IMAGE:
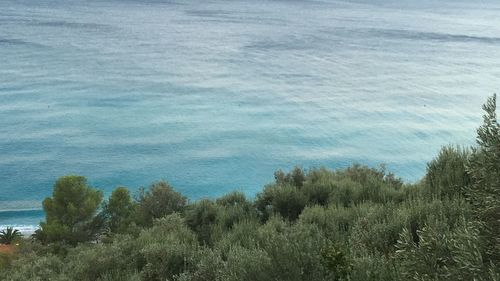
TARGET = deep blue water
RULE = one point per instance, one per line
(216, 95)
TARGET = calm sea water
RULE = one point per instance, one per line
(214, 96)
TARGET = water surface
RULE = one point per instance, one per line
(214, 96)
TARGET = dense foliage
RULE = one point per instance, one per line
(70, 212)
(358, 223)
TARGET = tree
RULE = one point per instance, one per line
(118, 210)
(9, 235)
(70, 213)
(484, 169)
(157, 202)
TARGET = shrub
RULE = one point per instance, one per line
(286, 200)
(37, 268)
(484, 192)
(294, 251)
(247, 265)
(446, 174)
(337, 262)
(369, 267)
(158, 201)
(335, 221)
(200, 217)
(103, 260)
(442, 253)
(209, 266)
(169, 248)
(377, 231)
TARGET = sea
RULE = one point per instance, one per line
(215, 95)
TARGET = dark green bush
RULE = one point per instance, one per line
(201, 217)
(119, 210)
(158, 201)
(69, 213)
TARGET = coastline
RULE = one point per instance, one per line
(26, 230)
(27, 221)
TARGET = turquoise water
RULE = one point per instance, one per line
(214, 96)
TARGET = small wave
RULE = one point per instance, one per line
(26, 219)
(26, 230)
(18, 42)
(209, 13)
(433, 36)
(21, 210)
(288, 42)
(73, 25)
(8, 41)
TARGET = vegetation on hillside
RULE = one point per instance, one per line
(357, 224)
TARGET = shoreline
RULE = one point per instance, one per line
(27, 221)
(25, 229)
